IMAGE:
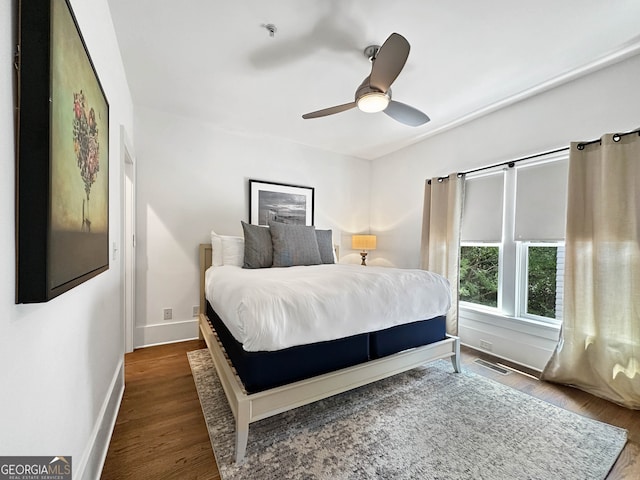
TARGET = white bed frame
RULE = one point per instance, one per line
(248, 408)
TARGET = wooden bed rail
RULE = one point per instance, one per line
(206, 259)
(248, 408)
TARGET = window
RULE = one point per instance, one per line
(543, 276)
(479, 274)
(512, 250)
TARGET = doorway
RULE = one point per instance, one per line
(128, 241)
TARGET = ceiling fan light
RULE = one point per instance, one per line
(373, 102)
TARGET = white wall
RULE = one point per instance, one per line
(192, 178)
(61, 361)
(607, 100)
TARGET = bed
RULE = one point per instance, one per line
(262, 383)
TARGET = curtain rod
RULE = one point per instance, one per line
(511, 163)
(616, 138)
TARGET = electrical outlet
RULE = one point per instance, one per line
(168, 313)
(486, 345)
(196, 310)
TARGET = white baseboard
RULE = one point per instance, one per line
(161, 333)
(90, 466)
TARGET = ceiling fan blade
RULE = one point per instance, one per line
(330, 110)
(389, 62)
(403, 113)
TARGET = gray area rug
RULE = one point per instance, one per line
(428, 423)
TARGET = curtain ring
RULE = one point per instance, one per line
(616, 137)
(580, 146)
(440, 179)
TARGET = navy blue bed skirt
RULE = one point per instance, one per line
(264, 370)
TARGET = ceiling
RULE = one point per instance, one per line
(215, 61)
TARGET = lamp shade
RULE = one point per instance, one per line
(363, 242)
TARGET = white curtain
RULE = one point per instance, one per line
(440, 248)
(599, 348)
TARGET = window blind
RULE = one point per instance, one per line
(541, 201)
(483, 206)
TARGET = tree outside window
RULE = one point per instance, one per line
(479, 268)
(542, 276)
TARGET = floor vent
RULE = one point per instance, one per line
(492, 366)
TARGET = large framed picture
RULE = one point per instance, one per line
(62, 174)
(279, 202)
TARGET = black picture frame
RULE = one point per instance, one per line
(280, 202)
(62, 159)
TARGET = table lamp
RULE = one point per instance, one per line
(363, 243)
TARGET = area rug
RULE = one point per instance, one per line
(428, 423)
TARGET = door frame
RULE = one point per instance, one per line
(128, 238)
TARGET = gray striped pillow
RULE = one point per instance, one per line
(258, 250)
(294, 245)
(325, 245)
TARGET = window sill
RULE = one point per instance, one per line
(529, 326)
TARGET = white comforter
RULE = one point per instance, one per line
(274, 308)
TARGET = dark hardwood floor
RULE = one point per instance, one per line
(161, 434)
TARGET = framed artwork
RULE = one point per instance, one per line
(62, 174)
(279, 202)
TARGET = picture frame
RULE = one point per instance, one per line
(62, 165)
(280, 202)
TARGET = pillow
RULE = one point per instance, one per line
(258, 249)
(325, 246)
(294, 245)
(232, 250)
(216, 249)
(226, 250)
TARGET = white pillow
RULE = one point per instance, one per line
(226, 250)
(216, 249)
(233, 251)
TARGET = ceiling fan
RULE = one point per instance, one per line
(374, 93)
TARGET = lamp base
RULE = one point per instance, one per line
(364, 257)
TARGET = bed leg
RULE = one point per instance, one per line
(455, 359)
(200, 332)
(242, 431)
